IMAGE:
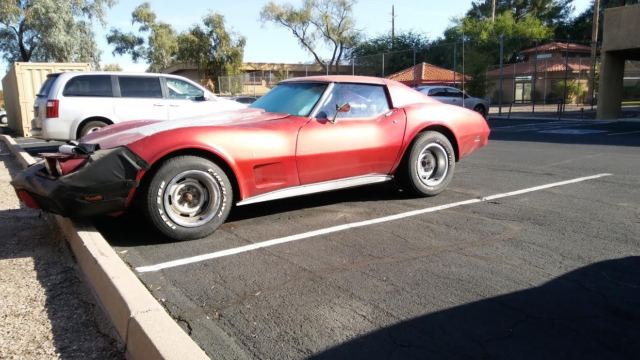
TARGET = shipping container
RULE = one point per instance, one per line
(21, 84)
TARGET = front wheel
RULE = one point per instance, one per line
(428, 167)
(188, 198)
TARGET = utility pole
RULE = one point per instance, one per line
(594, 49)
(493, 10)
(393, 25)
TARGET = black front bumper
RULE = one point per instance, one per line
(101, 186)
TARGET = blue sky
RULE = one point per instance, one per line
(268, 43)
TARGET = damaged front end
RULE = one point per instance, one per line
(81, 180)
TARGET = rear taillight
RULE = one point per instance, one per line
(53, 107)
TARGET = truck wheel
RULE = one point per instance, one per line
(189, 197)
(428, 166)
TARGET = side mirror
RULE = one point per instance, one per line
(200, 98)
(340, 109)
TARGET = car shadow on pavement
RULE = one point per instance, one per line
(38, 274)
(589, 313)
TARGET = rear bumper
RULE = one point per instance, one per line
(51, 129)
(102, 186)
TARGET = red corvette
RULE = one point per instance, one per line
(306, 135)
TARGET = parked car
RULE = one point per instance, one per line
(306, 135)
(3, 117)
(453, 96)
(71, 105)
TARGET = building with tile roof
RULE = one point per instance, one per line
(427, 74)
(549, 64)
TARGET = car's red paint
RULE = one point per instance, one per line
(270, 151)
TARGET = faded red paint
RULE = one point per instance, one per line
(267, 152)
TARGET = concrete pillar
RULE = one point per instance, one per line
(610, 88)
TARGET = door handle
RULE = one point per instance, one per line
(158, 104)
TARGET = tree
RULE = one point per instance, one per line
(549, 12)
(211, 47)
(579, 28)
(156, 42)
(482, 43)
(50, 30)
(328, 22)
(399, 52)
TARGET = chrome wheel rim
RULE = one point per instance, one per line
(192, 198)
(432, 165)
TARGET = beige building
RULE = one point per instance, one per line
(549, 64)
(621, 42)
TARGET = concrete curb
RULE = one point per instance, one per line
(144, 326)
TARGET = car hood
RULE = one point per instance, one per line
(130, 131)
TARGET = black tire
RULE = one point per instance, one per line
(430, 150)
(480, 109)
(91, 126)
(178, 183)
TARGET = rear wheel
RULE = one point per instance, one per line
(428, 166)
(91, 126)
(188, 198)
(3, 119)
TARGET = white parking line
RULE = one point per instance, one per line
(333, 229)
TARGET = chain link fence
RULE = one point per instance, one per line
(547, 76)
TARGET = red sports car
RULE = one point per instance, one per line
(306, 135)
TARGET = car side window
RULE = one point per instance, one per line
(179, 89)
(435, 92)
(89, 85)
(140, 87)
(366, 101)
(454, 93)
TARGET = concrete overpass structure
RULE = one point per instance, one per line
(621, 42)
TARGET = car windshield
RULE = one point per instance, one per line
(296, 99)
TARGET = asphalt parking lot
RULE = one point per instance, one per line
(532, 252)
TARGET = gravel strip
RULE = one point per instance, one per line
(46, 310)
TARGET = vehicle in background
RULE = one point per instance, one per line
(71, 105)
(453, 96)
(244, 99)
(306, 135)
(3, 117)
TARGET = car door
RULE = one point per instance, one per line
(455, 96)
(186, 100)
(140, 98)
(365, 140)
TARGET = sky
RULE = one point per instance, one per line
(269, 43)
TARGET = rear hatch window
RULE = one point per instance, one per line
(44, 89)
